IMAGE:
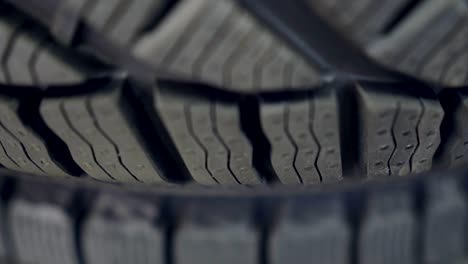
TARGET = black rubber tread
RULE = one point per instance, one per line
(121, 20)
(104, 150)
(230, 231)
(5, 247)
(30, 57)
(388, 235)
(316, 232)
(301, 151)
(430, 43)
(384, 223)
(209, 134)
(50, 68)
(128, 233)
(398, 134)
(363, 20)
(428, 138)
(392, 132)
(42, 225)
(54, 116)
(108, 111)
(8, 26)
(444, 225)
(221, 44)
(31, 143)
(18, 61)
(97, 130)
(453, 152)
(208, 137)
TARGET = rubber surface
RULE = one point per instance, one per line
(420, 221)
(102, 166)
(113, 132)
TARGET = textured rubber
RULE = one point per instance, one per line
(112, 132)
(363, 20)
(29, 57)
(429, 43)
(220, 44)
(385, 223)
(101, 166)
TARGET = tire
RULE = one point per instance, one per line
(157, 131)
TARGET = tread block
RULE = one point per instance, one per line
(200, 118)
(248, 63)
(429, 139)
(209, 139)
(80, 118)
(132, 19)
(123, 230)
(34, 146)
(405, 135)
(109, 111)
(15, 151)
(8, 28)
(454, 45)
(50, 69)
(42, 225)
(273, 118)
(228, 126)
(226, 227)
(299, 126)
(377, 114)
(81, 150)
(173, 113)
(430, 43)
(237, 27)
(455, 148)
(311, 232)
(304, 139)
(277, 71)
(19, 59)
(161, 42)
(191, 56)
(444, 224)
(122, 21)
(435, 32)
(388, 231)
(362, 20)
(221, 44)
(327, 132)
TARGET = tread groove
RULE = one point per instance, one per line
(9, 47)
(392, 131)
(319, 147)
(3, 152)
(420, 117)
(23, 149)
(293, 143)
(217, 134)
(104, 134)
(188, 118)
(67, 119)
